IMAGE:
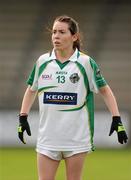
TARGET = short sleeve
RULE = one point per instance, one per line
(98, 79)
(33, 78)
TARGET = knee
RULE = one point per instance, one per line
(74, 178)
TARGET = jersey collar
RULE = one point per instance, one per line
(73, 58)
(75, 55)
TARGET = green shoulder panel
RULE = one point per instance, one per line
(42, 67)
(31, 76)
(40, 70)
(99, 79)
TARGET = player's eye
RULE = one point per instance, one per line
(62, 32)
(53, 31)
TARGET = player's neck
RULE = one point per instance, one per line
(64, 55)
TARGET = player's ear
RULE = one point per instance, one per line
(75, 37)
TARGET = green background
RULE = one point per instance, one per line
(20, 164)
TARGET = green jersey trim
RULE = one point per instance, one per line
(74, 109)
(43, 66)
(41, 69)
(32, 75)
(100, 81)
(83, 72)
(62, 65)
(89, 103)
(45, 88)
(90, 109)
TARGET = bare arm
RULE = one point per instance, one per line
(110, 100)
(116, 125)
(28, 100)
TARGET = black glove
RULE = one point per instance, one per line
(23, 125)
(119, 128)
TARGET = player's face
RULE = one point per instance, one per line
(62, 38)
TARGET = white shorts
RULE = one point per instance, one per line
(58, 155)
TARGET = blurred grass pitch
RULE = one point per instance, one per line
(20, 164)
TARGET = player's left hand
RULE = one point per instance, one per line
(119, 128)
(23, 126)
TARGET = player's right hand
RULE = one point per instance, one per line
(23, 126)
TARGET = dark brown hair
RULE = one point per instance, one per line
(73, 27)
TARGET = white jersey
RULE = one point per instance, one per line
(66, 103)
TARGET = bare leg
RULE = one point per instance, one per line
(46, 167)
(74, 166)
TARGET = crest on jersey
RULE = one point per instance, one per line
(98, 73)
(74, 78)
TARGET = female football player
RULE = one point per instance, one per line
(65, 80)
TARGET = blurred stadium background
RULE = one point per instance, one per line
(24, 36)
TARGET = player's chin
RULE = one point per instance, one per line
(58, 47)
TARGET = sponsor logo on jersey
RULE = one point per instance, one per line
(46, 76)
(61, 72)
(64, 98)
(74, 78)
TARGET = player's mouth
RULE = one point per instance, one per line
(57, 43)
